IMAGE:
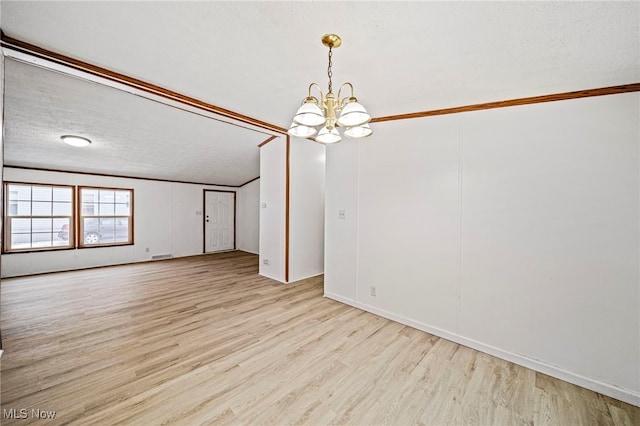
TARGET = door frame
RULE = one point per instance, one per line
(204, 217)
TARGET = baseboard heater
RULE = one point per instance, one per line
(161, 256)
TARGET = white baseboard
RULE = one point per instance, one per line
(290, 281)
(626, 395)
(305, 277)
(248, 251)
(272, 278)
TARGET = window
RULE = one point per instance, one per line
(43, 217)
(38, 217)
(106, 216)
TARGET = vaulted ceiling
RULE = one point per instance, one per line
(258, 59)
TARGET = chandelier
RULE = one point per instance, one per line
(330, 112)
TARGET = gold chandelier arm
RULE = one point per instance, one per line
(340, 90)
(319, 90)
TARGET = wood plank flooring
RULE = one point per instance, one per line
(206, 340)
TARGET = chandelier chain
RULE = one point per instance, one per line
(329, 73)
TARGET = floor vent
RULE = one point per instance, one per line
(160, 256)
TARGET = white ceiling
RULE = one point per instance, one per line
(257, 58)
(131, 135)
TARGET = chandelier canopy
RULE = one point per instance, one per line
(330, 111)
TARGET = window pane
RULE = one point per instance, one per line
(121, 230)
(19, 226)
(61, 231)
(41, 208)
(89, 209)
(41, 239)
(107, 230)
(122, 210)
(89, 223)
(89, 195)
(41, 225)
(41, 193)
(62, 194)
(57, 242)
(123, 197)
(107, 209)
(23, 208)
(19, 192)
(91, 231)
(107, 196)
(61, 209)
(20, 241)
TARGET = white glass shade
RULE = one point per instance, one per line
(358, 131)
(353, 114)
(75, 140)
(309, 114)
(301, 131)
(328, 136)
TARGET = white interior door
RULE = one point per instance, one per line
(219, 221)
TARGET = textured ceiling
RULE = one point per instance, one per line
(131, 135)
(257, 58)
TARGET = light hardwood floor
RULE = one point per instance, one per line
(206, 340)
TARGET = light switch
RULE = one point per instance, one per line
(342, 214)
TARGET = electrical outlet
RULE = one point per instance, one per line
(342, 214)
(373, 291)
(147, 250)
(265, 261)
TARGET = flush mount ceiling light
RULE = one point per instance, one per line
(75, 140)
(324, 112)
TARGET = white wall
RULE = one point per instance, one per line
(306, 226)
(514, 231)
(248, 202)
(166, 222)
(306, 209)
(272, 212)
